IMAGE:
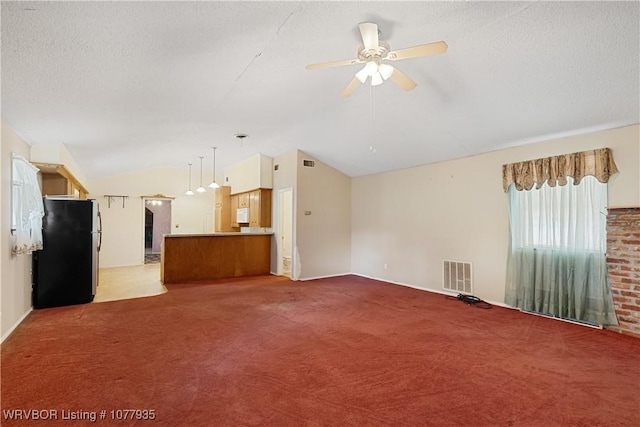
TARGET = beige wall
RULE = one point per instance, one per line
(413, 219)
(254, 172)
(123, 228)
(58, 154)
(323, 238)
(15, 294)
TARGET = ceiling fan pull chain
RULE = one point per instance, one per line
(372, 106)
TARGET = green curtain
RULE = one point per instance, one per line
(556, 263)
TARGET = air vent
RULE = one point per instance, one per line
(456, 276)
(308, 163)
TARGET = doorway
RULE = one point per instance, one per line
(157, 223)
(285, 232)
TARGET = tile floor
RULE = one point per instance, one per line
(129, 282)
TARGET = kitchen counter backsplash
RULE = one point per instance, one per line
(256, 230)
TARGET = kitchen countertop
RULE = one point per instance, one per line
(225, 234)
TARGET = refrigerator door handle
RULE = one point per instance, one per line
(99, 231)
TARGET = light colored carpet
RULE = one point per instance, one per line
(129, 282)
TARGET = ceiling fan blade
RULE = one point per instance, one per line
(401, 79)
(350, 88)
(332, 64)
(421, 50)
(369, 34)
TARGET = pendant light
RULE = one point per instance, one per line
(189, 192)
(201, 189)
(214, 184)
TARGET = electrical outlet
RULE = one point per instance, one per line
(385, 265)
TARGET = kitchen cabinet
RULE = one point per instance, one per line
(226, 255)
(259, 204)
(234, 208)
(243, 200)
(260, 208)
(223, 209)
(58, 181)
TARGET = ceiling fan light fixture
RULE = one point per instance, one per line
(385, 70)
(362, 75)
(371, 67)
(376, 79)
(373, 52)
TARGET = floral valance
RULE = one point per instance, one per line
(555, 170)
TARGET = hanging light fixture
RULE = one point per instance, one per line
(214, 184)
(201, 189)
(189, 192)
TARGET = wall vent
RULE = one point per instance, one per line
(308, 163)
(456, 276)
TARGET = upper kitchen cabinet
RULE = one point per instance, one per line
(223, 209)
(260, 208)
(257, 202)
(61, 175)
(58, 181)
(246, 176)
(243, 200)
(234, 209)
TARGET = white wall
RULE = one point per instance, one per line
(123, 228)
(15, 293)
(412, 219)
(323, 238)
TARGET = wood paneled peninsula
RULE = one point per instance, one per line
(194, 257)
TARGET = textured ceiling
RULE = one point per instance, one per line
(136, 85)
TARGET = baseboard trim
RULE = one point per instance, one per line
(560, 318)
(10, 331)
(323, 277)
(435, 291)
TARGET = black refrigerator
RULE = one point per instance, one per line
(65, 271)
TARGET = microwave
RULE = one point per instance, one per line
(242, 215)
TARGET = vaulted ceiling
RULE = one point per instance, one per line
(137, 85)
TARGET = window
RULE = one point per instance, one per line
(570, 217)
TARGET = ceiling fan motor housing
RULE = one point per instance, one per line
(378, 54)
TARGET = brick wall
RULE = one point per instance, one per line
(623, 262)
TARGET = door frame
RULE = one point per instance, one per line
(144, 205)
(279, 232)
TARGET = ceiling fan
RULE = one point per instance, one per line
(373, 53)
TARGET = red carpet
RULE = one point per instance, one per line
(345, 351)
